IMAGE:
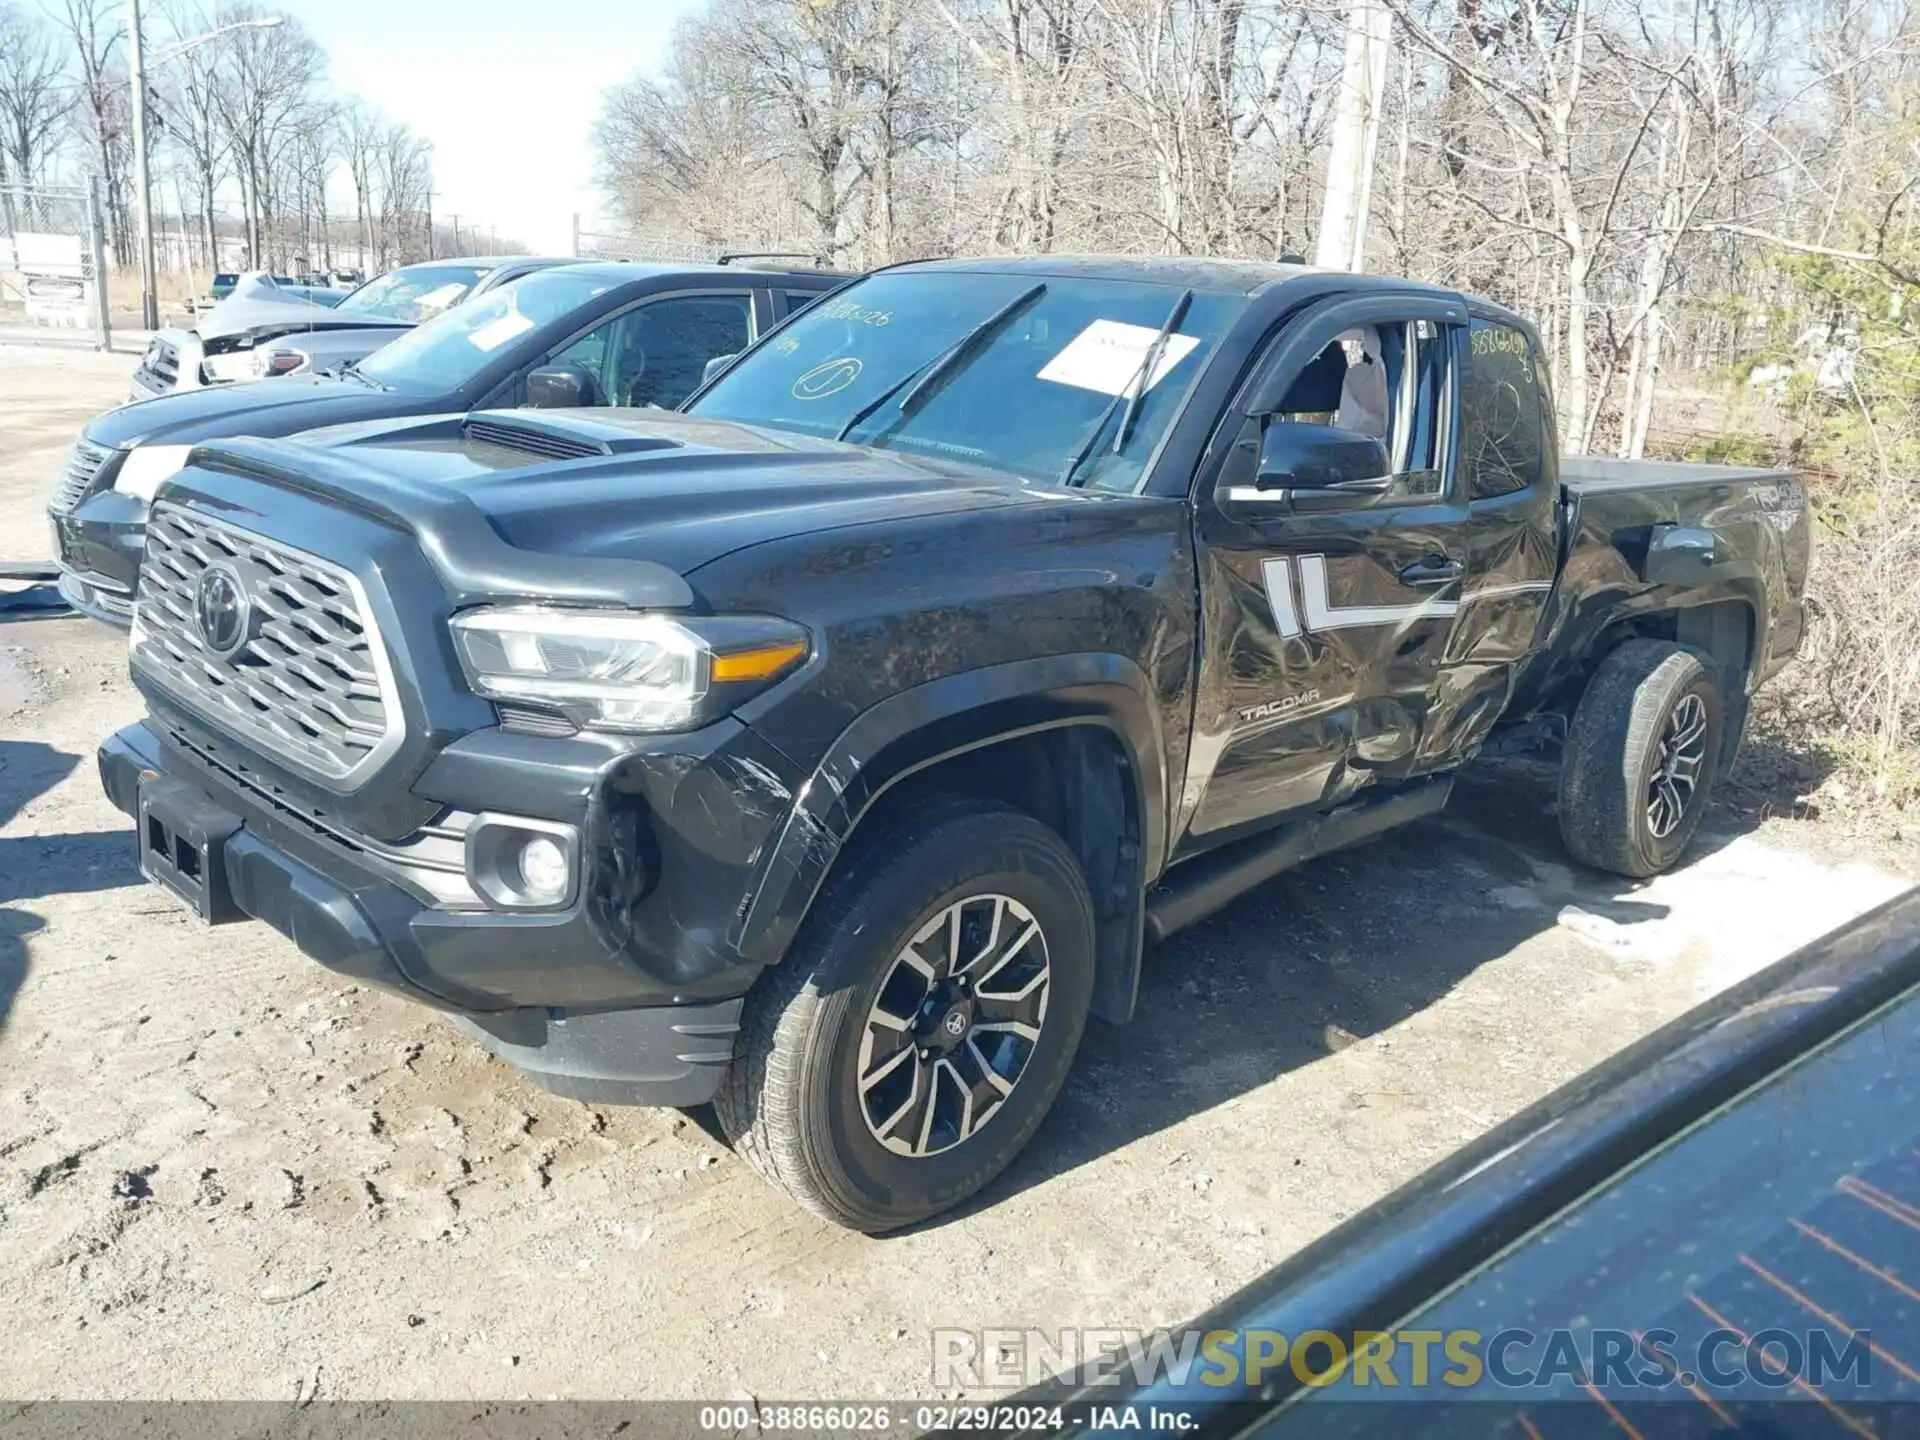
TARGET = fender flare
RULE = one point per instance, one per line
(920, 727)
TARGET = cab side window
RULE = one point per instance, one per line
(1384, 381)
(1502, 418)
(665, 348)
(656, 353)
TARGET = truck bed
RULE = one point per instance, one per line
(1600, 472)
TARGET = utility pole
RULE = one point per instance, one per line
(142, 189)
(97, 253)
(430, 254)
(576, 234)
(142, 192)
(456, 232)
(1342, 243)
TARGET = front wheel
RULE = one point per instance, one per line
(910, 1045)
(1641, 757)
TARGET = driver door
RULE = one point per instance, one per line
(1326, 614)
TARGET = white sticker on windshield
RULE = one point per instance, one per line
(495, 333)
(441, 298)
(1107, 356)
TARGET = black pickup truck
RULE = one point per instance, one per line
(831, 750)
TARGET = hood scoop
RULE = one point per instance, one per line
(568, 435)
(532, 440)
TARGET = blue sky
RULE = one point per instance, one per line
(506, 90)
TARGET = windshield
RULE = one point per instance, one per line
(1049, 359)
(452, 349)
(414, 293)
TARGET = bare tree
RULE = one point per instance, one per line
(357, 126)
(264, 84)
(95, 29)
(403, 169)
(195, 125)
(34, 100)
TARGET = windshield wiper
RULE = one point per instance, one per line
(350, 370)
(927, 376)
(1133, 393)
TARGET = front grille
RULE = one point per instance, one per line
(308, 684)
(542, 443)
(84, 463)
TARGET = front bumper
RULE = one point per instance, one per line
(99, 545)
(359, 917)
(93, 597)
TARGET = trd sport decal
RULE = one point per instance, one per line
(1322, 614)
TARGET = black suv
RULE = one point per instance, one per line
(592, 334)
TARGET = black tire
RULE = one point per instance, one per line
(1610, 817)
(791, 1103)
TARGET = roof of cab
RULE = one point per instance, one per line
(622, 272)
(1238, 277)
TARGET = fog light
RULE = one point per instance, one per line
(518, 864)
(543, 870)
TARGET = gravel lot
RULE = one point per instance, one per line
(226, 1173)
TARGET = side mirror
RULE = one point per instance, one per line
(562, 387)
(717, 365)
(1321, 457)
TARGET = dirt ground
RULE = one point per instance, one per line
(226, 1173)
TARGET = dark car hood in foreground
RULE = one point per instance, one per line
(672, 489)
(260, 407)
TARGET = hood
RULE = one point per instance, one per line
(655, 486)
(269, 312)
(259, 407)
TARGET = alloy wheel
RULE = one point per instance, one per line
(1683, 750)
(954, 1024)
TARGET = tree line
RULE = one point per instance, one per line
(247, 139)
(1688, 196)
(1625, 172)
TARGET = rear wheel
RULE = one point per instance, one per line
(1641, 757)
(921, 1029)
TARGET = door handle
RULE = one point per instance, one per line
(1432, 570)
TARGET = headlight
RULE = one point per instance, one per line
(278, 360)
(624, 670)
(147, 465)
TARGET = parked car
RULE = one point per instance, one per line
(831, 750)
(1746, 1171)
(314, 293)
(636, 334)
(266, 328)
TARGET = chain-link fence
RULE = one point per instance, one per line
(51, 261)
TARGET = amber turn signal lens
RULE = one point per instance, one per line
(760, 664)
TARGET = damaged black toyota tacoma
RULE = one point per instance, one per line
(832, 749)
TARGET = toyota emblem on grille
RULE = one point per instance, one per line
(222, 611)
